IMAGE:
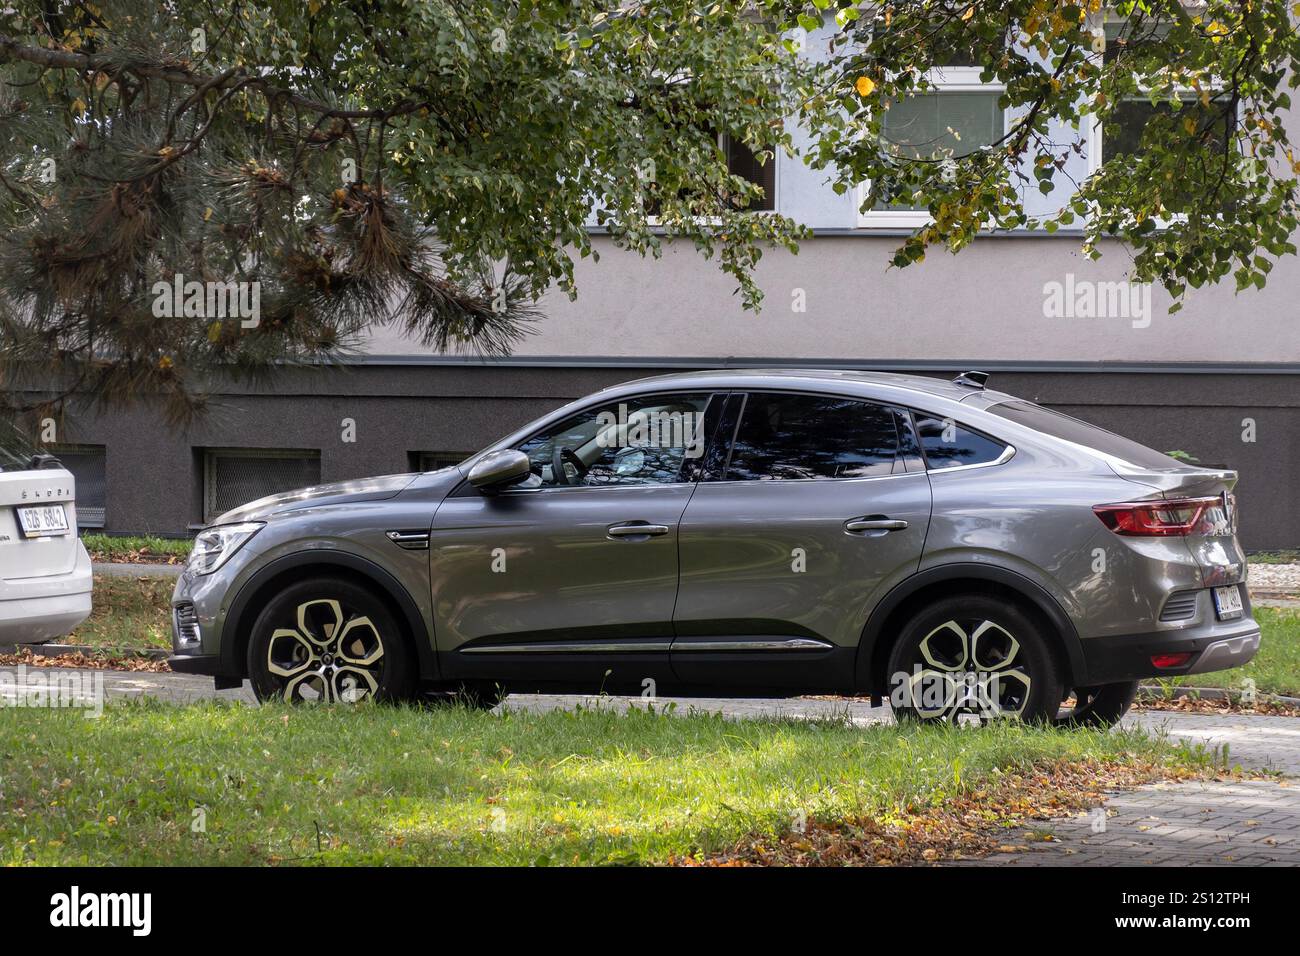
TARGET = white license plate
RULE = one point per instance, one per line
(36, 522)
(1227, 602)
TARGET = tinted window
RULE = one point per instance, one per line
(16, 450)
(812, 436)
(639, 441)
(947, 443)
(1081, 433)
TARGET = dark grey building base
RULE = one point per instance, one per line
(384, 415)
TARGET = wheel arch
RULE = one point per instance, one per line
(257, 590)
(885, 621)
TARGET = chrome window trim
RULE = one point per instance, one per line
(1007, 454)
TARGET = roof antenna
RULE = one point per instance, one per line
(972, 379)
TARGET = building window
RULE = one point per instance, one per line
(742, 162)
(958, 116)
(758, 168)
(435, 460)
(88, 464)
(1121, 134)
(236, 476)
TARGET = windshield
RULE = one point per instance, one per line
(1081, 433)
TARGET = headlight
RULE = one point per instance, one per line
(214, 546)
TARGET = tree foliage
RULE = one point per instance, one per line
(1212, 188)
(430, 162)
(439, 163)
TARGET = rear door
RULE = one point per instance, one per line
(818, 508)
(38, 521)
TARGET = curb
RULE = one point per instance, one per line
(123, 569)
(67, 650)
(1209, 693)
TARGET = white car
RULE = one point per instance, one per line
(45, 576)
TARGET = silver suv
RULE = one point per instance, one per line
(957, 550)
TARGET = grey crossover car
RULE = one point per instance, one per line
(960, 551)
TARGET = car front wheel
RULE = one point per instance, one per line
(973, 657)
(328, 640)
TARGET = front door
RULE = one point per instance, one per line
(821, 507)
(572, 577)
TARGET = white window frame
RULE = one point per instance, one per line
(949, 79)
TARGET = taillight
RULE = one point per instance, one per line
(1178, 517)
(1170, 660)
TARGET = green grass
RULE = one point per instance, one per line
(145, 549)
(127, 613)
(1288, 556)
(382, 785)
(1275, 669)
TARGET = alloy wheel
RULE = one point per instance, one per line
(330, 656)
(969, 667)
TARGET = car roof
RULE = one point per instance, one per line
(860, 381)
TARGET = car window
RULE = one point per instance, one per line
(637, 441)
(948, 444)
(1081, 433)
(16, 449)
(784, 437)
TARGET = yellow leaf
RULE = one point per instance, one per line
(864, 85)
(78, 106)
(1189, 124)
(214, 332)
(970, 12)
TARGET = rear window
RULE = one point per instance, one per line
(16, 450)
(788, 437)
(1081, 433)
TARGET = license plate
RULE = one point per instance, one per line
(37, 522)
(1227, 602)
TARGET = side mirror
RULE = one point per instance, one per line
(499, 469)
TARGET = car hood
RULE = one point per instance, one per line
(338, 492)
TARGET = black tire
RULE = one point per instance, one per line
(349, 646)
(1014, 672)
(1101, 706)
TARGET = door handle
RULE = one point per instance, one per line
(874, 524)
(636, 529)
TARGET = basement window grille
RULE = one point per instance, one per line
(235, 476)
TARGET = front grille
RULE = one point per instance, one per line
(1181, 606)
(186, 624)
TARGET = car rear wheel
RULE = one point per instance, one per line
(328, 640)
(973, 657)
(1100, 706)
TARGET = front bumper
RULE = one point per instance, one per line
(1214, 647)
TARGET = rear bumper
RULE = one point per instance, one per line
(43, 608)
(1214, 647)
